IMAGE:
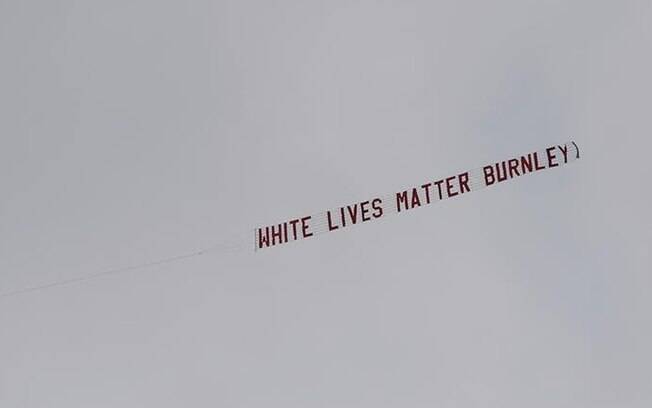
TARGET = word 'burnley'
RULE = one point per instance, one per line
(511, 168)
(424, 194)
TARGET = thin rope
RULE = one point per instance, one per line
(228, 247)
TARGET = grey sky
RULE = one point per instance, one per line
(132, 131)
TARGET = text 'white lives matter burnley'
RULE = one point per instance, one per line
(424, 194)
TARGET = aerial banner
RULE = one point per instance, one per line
(423, 194)
(371, 209)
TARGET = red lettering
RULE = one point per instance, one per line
(331, 227)
(364, 210)
(489, 177)
(294, 223)
(353, 214)
(401, 198)
(526, 163)
(464, 182)
(551, 157)
(277, 234)
(305, 226)
(449, 187)
(502, 177)
(438, 184)
(263, 240)
(415, 198)
(426, 187)
(564, 151)
(536, 162)
(513, 167)
(378, 210)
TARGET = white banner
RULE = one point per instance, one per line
(427, 193)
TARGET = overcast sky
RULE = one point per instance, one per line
(137, 130)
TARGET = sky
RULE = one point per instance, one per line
(133, 131)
